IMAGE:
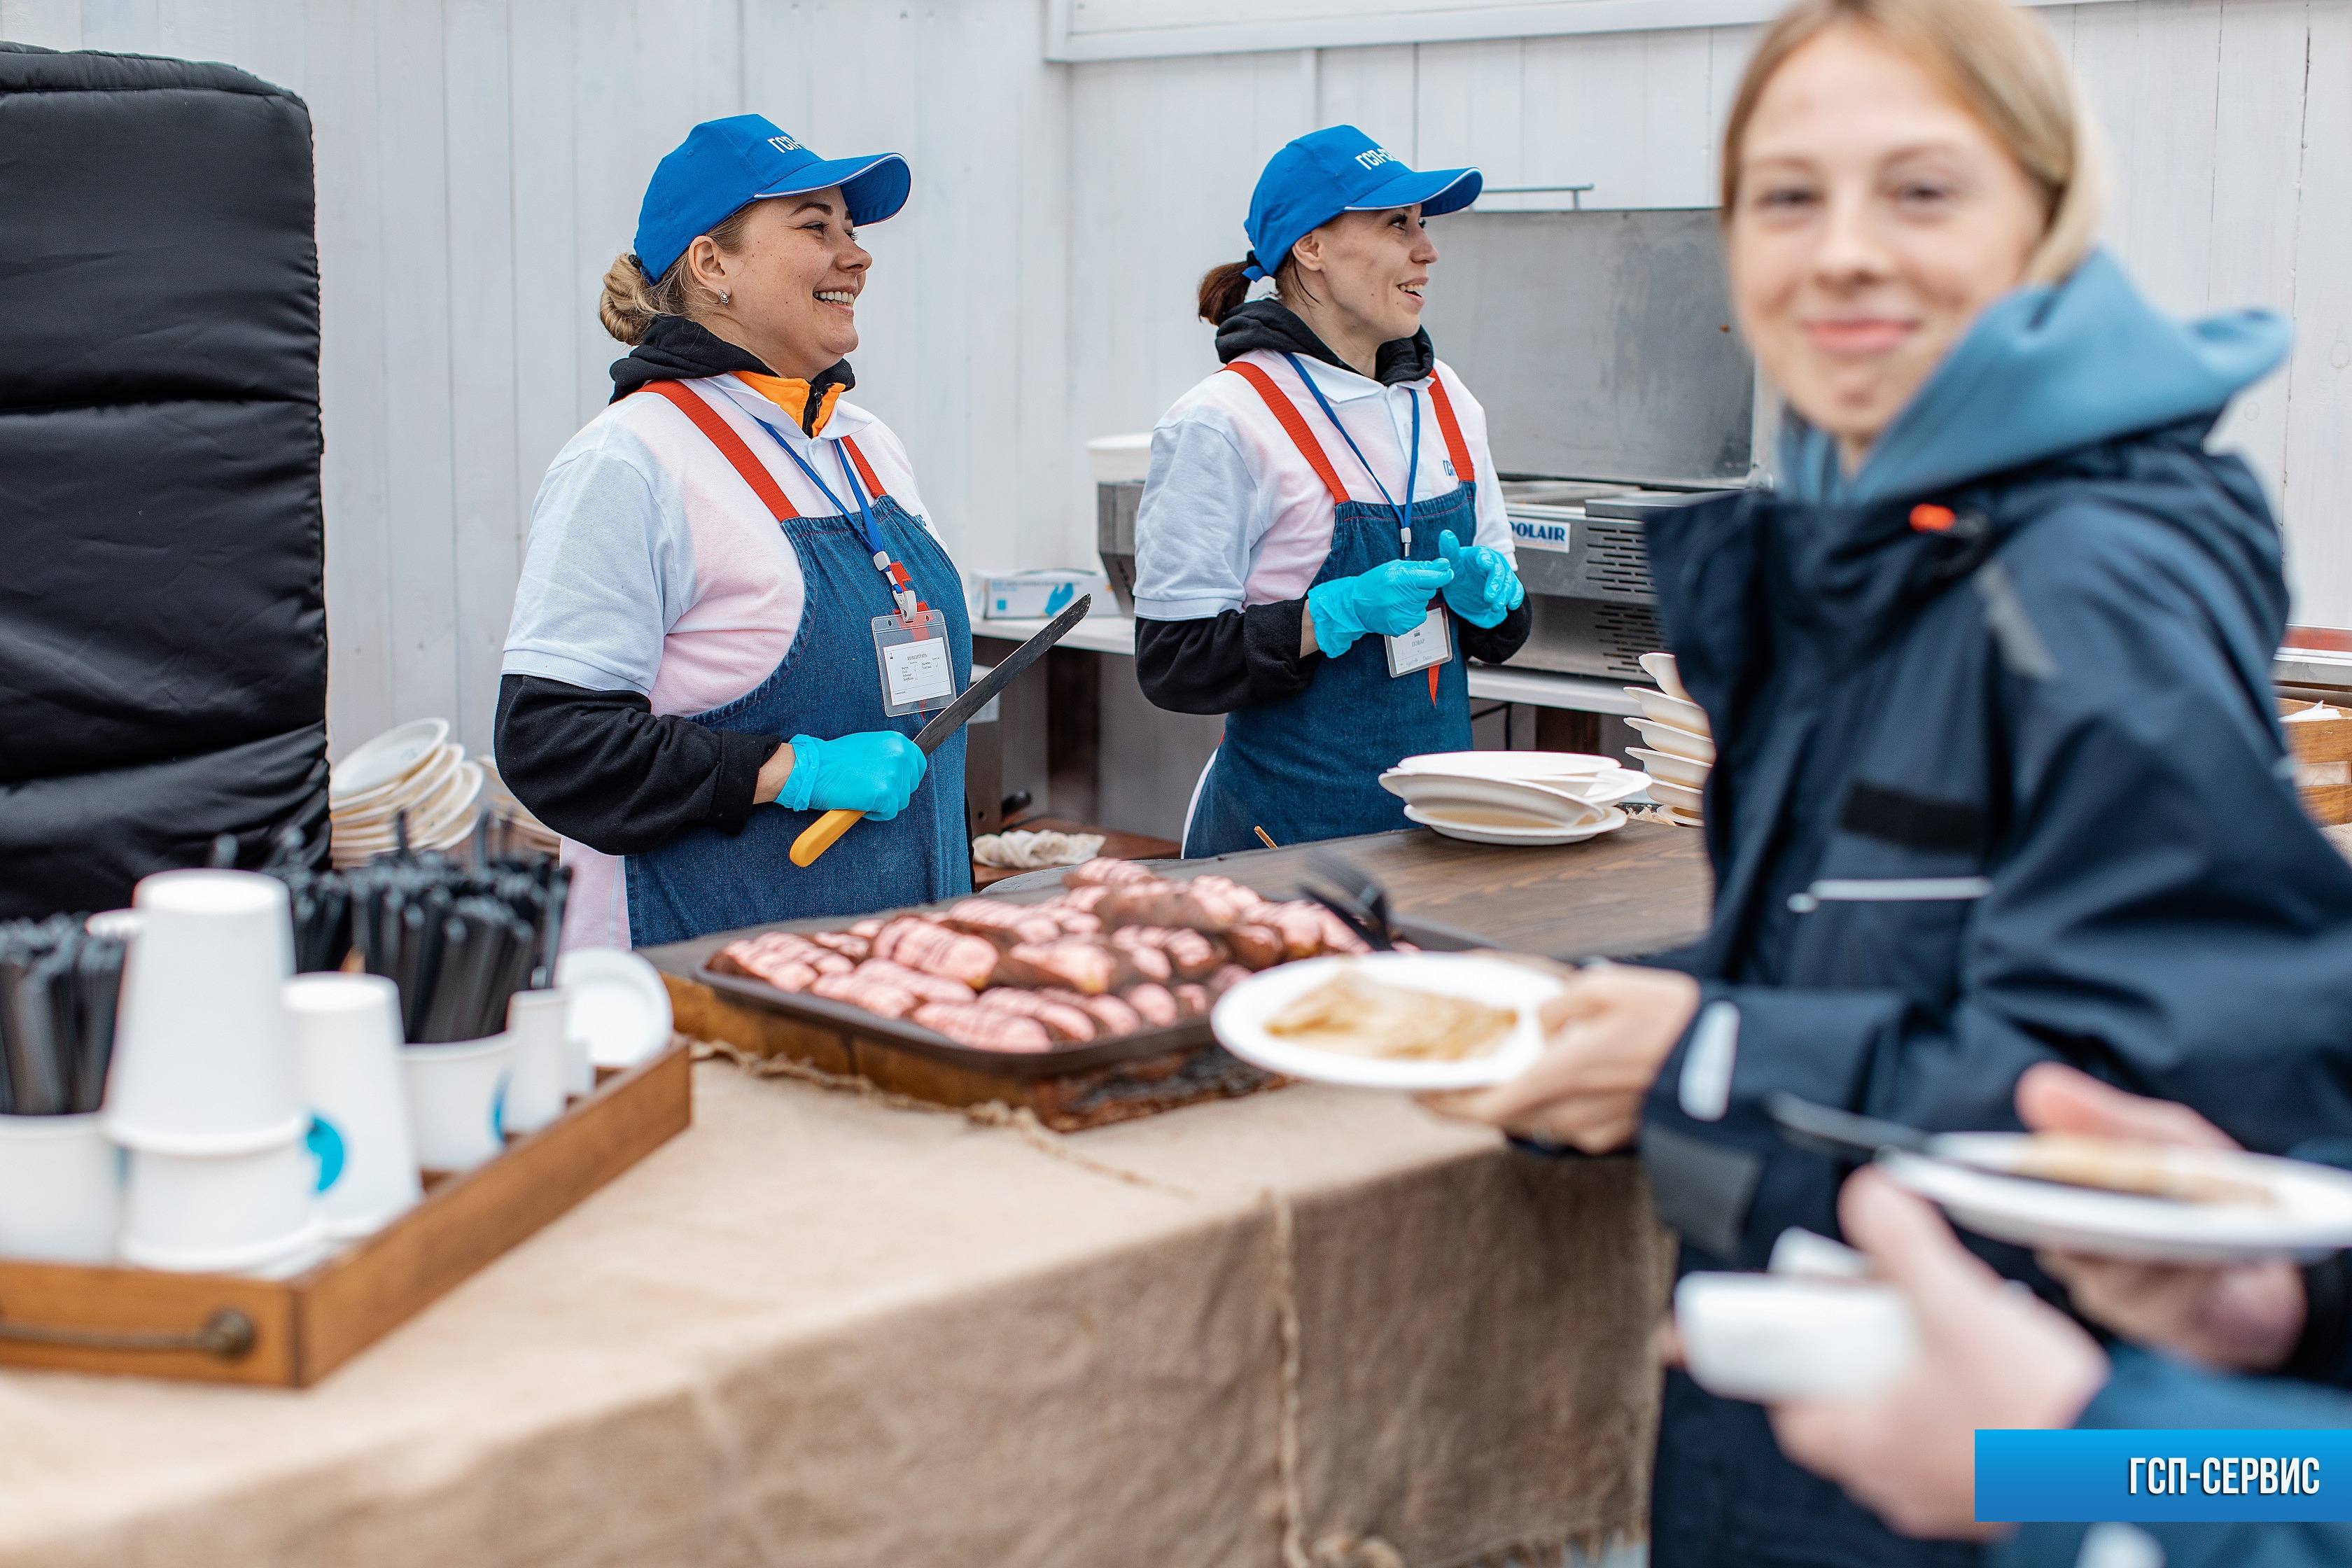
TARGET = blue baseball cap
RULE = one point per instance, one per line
(1340, 169)
(725, 164)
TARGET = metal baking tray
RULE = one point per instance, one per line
(1186, 1034)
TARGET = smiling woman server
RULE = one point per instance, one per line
(732, 611)
(1321, 542)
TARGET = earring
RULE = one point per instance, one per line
(725, 298)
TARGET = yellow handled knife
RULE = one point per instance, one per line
(820, 834)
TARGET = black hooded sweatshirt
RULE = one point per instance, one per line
(600, 767)
(1249, 656)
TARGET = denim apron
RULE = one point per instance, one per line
(1309, 766)
(827, 686)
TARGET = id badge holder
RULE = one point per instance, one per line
(912, 657)
(1427, 644)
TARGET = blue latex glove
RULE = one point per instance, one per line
(1484, 589)
(874, 771)
(1390, 599)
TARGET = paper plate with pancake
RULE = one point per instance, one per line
(1390, 1020)
(2136, 1201)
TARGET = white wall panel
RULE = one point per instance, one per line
(481, 163)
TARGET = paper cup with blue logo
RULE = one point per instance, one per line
(223, 1214)
(346, 1032)
(456, 1100)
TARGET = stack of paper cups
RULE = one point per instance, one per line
(347, 1057)
(537, 1021)
(203, 1091)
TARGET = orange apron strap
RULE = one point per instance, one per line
(864, 470)
(1455, 447)
(730, 446)
(1287, 412)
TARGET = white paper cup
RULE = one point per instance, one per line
(204, 1063)
(537, 1021)
(456, 1100)
(60, 1189)
(1770, 1337)
(213, 1214)
(346, 1056)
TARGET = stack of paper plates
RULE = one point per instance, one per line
(414, 773)
(1681, 746)
(1513, 797)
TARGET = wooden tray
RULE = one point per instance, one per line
(1070, 1089)
(216, 1327)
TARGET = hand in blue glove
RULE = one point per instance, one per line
(874, 771)
(1390, 599)
(1484, 589)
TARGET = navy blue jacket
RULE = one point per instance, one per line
(2005, 791)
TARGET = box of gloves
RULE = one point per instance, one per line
(1031, 595)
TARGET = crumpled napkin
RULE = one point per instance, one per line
(1032, 851)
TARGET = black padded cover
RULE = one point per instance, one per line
(163, 618)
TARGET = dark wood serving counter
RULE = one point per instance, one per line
(1643, 889)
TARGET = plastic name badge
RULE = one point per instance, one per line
(916, 667)
(1425, 645)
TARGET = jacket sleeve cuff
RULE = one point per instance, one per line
(1495, 644)
(1270, 638)
(1722, 1175)
(740, 757)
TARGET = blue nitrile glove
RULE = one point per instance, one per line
(874, 771)
(1484, 589)
(1390, 599)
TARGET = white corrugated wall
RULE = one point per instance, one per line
(480, 162)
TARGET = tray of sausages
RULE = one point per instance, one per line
(1120, 962)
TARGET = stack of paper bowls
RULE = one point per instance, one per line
(512, 827)
(413, 770)
(1680, 747)
(1527, 798)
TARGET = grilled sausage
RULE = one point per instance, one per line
(983, 1029)
(1155, 1003)
(1063, 1020)
(935, 949)
(878, 997)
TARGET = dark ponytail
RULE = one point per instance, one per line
(1223, 289)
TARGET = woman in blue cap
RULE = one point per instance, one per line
(1322, 540)
(733, 609)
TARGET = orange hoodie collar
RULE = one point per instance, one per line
(809, 406)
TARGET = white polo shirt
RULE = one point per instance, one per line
(652, 567)
(1234, 515)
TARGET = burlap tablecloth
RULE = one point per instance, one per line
(815, 1330)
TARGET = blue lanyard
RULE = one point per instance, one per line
(1412, 461)
(901, 592)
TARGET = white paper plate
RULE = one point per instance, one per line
(390, 756)
(1681, 713)
(1673, 769)
(1241, 1016)
(1610, 820)
(2312, 1217)
(619, 1004)
(1680, 817)
(1527, 767)
(1682, 797)
(1661, 668)
(1676, 743)
(1606, 789)
(1529, 805)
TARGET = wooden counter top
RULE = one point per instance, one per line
(1643, 889)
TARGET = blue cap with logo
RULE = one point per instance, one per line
(725, 164)
(1339, 170)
